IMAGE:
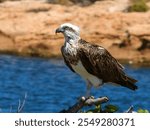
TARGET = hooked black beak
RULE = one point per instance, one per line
(58, 30)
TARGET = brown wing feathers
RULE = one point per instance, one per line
(98, 61)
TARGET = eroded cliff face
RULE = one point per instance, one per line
(28, 28)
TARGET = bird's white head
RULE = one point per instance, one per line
(71, 32)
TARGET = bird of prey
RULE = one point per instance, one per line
(92, 62)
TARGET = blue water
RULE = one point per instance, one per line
(51, 86)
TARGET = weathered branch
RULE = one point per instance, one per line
(97, 101)
(84, 102)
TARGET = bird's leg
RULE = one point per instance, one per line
(88, 91)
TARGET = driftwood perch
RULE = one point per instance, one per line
(85, 102)
(91, 101)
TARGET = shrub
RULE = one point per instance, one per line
(138, 6)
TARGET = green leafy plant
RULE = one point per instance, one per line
(138, 6)
(111, 108)
(142, 111)
(106, 109)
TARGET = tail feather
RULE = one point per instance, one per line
(130, 83)
(131, 79)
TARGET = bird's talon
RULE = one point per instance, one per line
(92, 97)
(82, 99)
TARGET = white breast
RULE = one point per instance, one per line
(79, 69)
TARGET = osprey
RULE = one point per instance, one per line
(92, 62)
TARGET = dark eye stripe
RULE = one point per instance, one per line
(68, 28)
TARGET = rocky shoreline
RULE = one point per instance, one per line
(27, 28)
